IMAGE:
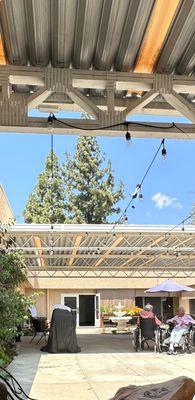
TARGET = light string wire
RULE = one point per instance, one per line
(182, 222)
(52, 118)
(138, 187)
(51, 194)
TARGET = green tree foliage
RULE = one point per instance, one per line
(13, 304)
(90, 187)
(46, 203)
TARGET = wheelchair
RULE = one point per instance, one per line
(145, 334)
(186, 344)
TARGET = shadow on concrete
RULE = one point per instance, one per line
(24, 366)
(106, 343)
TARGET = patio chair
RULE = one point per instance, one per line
(40, 325)
(10, 389)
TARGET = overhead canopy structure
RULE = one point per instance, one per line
(110, 58)
(98, 251)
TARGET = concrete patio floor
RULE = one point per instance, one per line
(106, 363)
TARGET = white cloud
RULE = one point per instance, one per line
(148, 214)
(162, 200)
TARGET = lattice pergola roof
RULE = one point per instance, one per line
(96, 251)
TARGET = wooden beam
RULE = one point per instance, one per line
(38, 244)
(38, 97)
(156, 241)
(76, 244)
(180, 104)
(2, 53)
(157, 29)
(36, 125)
(84, 102)
(138, 104)
(162, 16)
(162, 255)
(114, 244)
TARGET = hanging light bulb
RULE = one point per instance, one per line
(183, 228)
(127, 135)
(51, 251)
(164, 152)
(50, 121)
(51, 242)
(137, 190)
(141, 197)
(125, 218)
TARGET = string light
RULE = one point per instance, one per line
(164, 152)
(52, 118)
(137, 191)
(51, 251)
(128, 135)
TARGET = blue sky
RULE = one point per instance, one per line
(168, 189)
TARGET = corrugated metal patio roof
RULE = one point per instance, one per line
(138, 250)
(46, 42)
(102, 34)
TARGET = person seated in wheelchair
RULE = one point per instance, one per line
(181, 322)
(148, 324)
(147, 313)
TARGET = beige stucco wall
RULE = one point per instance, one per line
(49, 298)
(101, 283)
(111, 297)
(41, 301)
(6, 212)
(108, 298)
(112, 290)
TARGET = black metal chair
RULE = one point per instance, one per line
(145, 333)
(39, 325)
(10, 387)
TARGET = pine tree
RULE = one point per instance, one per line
(46, 203)
(90, 185)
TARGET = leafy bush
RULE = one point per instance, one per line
(106, 310)
(13, 304)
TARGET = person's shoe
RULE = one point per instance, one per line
(170, 352)
(174, 352)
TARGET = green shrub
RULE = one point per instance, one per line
(13, 304)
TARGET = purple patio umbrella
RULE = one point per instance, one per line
(169, 286)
